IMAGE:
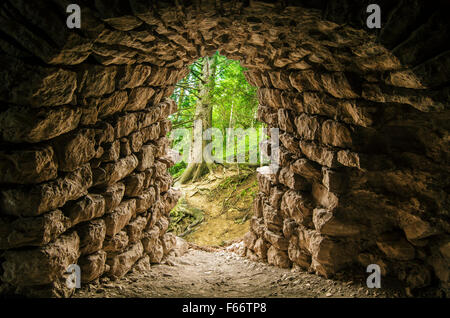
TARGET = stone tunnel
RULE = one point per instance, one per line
(364, 134)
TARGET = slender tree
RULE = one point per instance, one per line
(198, 164)
(216, 92)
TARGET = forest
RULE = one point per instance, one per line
(216, 92)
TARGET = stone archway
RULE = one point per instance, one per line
(363, 117)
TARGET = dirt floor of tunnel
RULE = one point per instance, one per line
(221, 273)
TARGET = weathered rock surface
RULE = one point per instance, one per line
(90, 207)
(32, 231)
(92, 266)
(37, 199)
(36, 165)
(41, 265)
(112, 172)
(92, 235)
(74, 149)
(364, 141)
(122, 263)
(22, 124)
(119, 218)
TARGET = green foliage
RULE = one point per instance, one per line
(233, 100)
(177, 169)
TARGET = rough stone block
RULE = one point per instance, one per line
(145, 200)
(153, 245)
(122, 263)
(87, 208)
(138, 98)
(260, 249)
(36, 86)
(43, 265)
(307, 169)
(32, 231)
(111, 151)
(92, 266)
(337, 85)
(329, 256)
(74, 149)
(320, 154)
(278, 257)
(97, 81)
(289, 227)
(169, 240)
(110, 173)
(164, 182)
(334, 181)
(116, 243)
(277, 240)
(297, 206)
(33, 165)
(134, 184)
(308, 127)
(250, 239)
(307, 80)
(298, 256)
(125, 125)
(326, 223)
(146, 157)
(273, 219)
(396, 247)
(112, 104)
(324, 197)
(135, 229)
(119, 218)
(276, 193)
(35, 200)
(132, 76)
(290, 143)
(92, 234)
(336, 134)
(293, 180)
(21, 124)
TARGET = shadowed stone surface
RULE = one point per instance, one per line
(364, 140)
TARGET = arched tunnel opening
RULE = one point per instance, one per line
(363, 124)
(215, 137)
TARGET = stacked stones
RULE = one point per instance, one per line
(363, 116)
(334, 203)
(86, 185)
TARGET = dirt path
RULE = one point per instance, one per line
(224, 274)
(226, 201)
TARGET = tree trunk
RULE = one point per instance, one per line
(179, 102)
(198, 164)
(230, 124)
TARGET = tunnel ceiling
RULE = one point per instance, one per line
(363, 117)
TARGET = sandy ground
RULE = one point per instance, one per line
(220, 273)
(221, 225)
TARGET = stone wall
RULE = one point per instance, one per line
(363, 118)
(86, 182)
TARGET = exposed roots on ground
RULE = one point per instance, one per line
(217, 209)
